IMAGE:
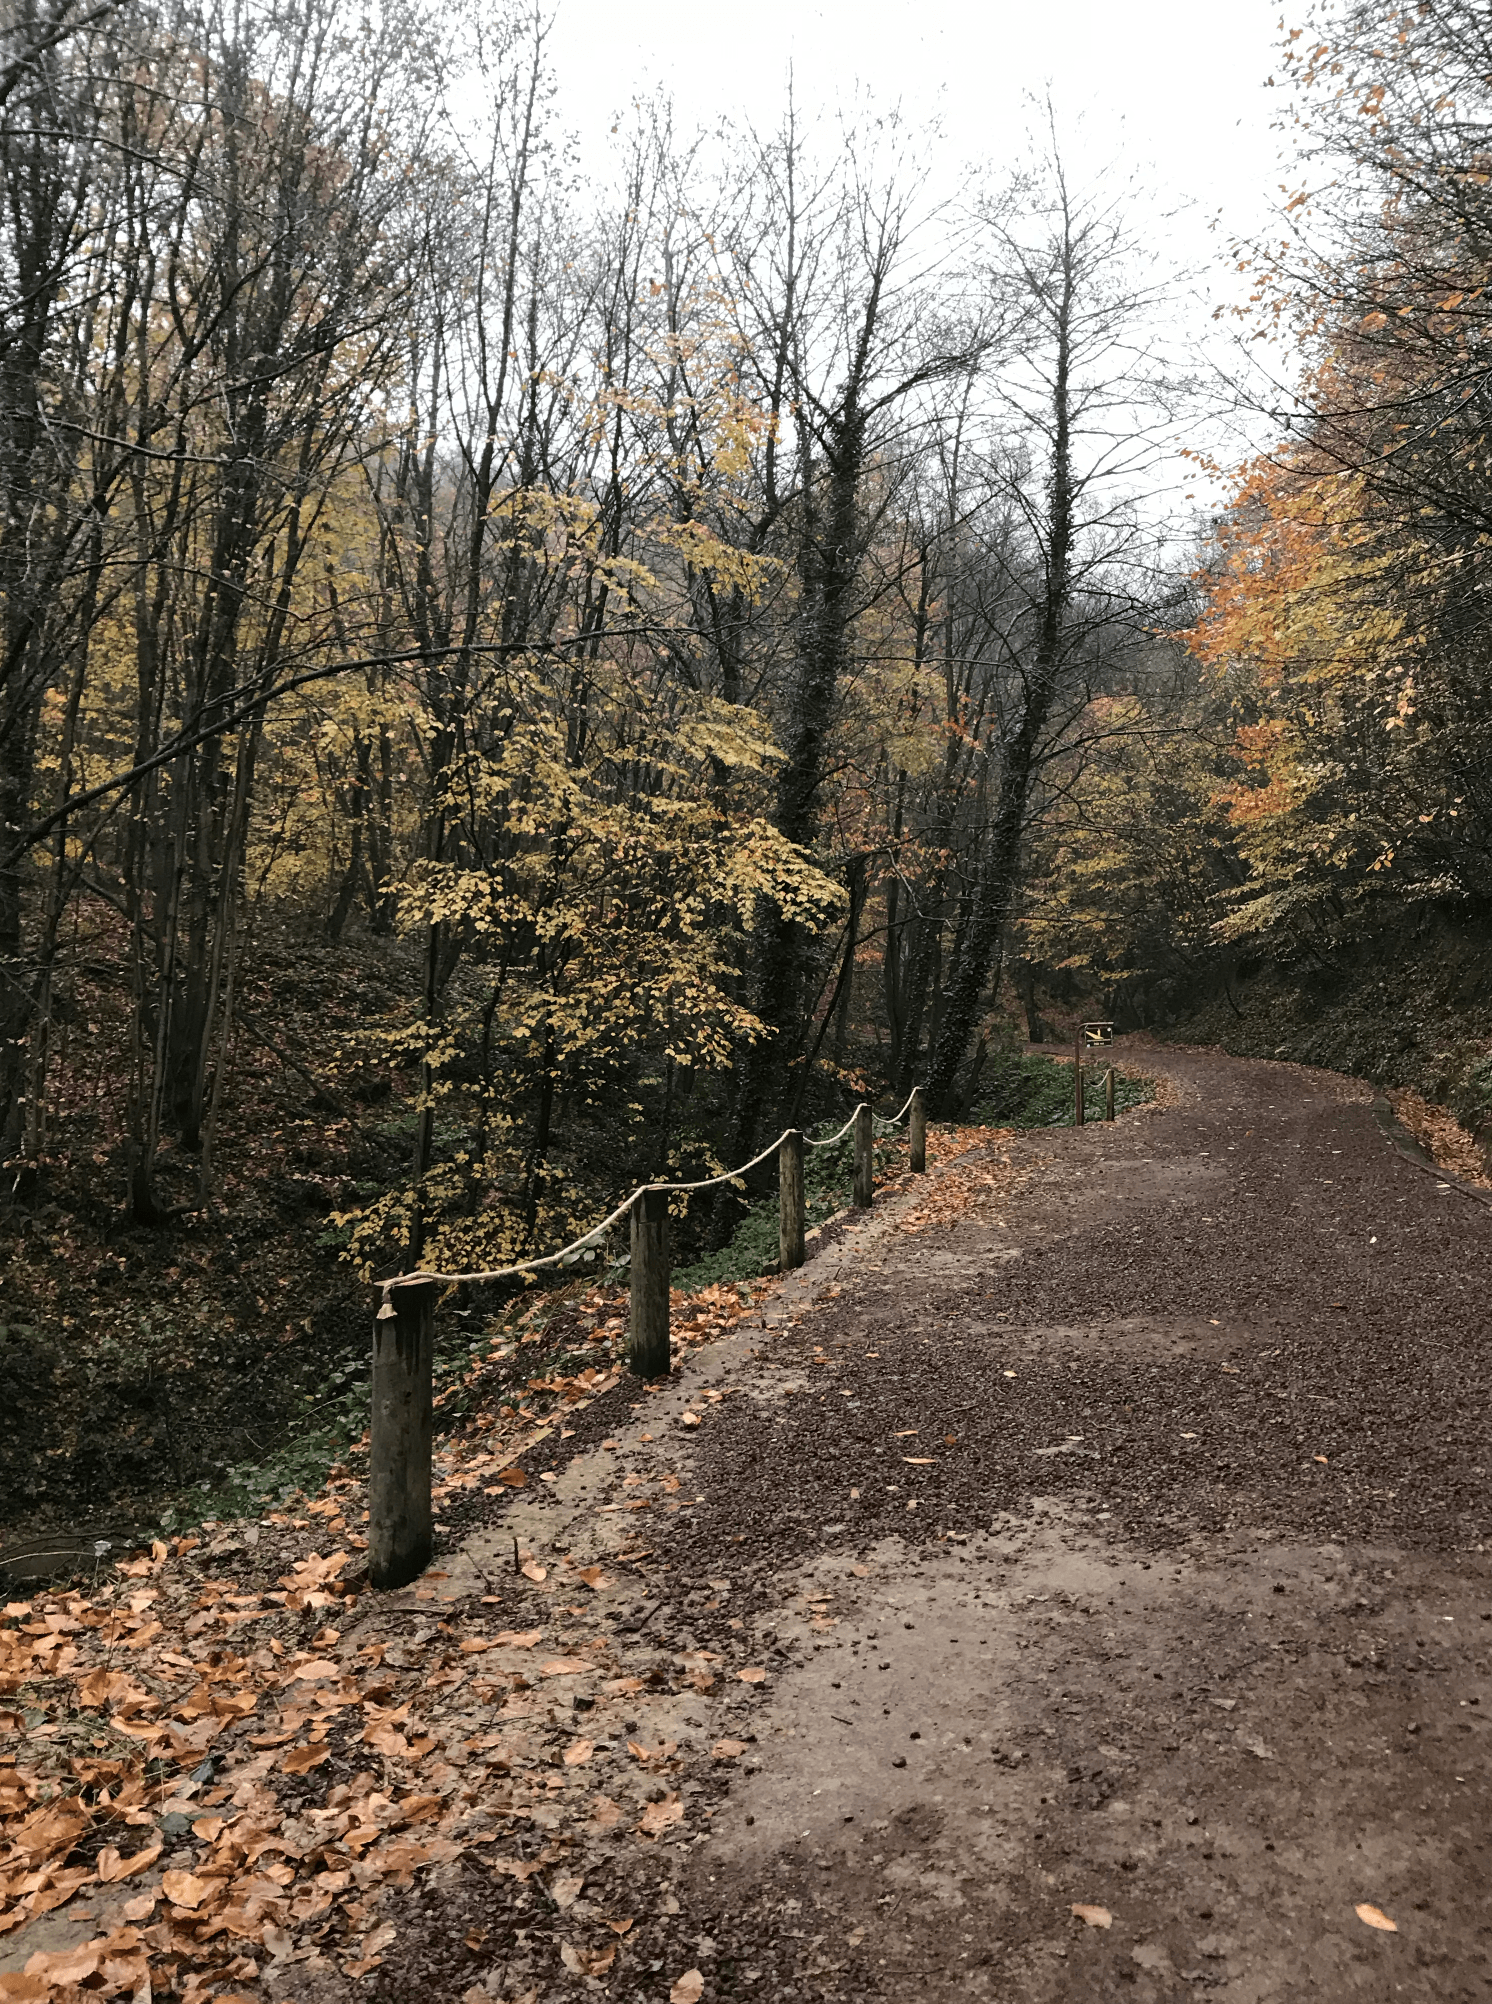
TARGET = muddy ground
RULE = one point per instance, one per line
(1120, 1546)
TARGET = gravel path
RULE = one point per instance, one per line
(1121, 1545)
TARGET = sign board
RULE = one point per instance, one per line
(1098, 1033)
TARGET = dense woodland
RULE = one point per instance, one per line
(515, 682)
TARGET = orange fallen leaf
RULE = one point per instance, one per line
(140, 1908)
(1322, 1459)
(578, 1752)
(661, 1816)
(620, 1926)
(518, 1868)
(593, 1577)
(565, 1666)
(1094, 1916)
(689, 1988)
(587, 1961)
(690, 1419)
(68, 1965)
(185, 1889)
(622, 1687)
(515, 1478)
(532, 1570)
(520, 1638)
(752, 1676)
(1375, 1917)
(111, 1866)
(300, 1760)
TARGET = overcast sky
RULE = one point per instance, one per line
(1170, 85)
(1170, 90)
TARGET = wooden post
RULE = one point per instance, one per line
(399, 1535)
(864, 1158)
(917, 1133)
(1108, 1094)
(1077, 1078)
(647, 1349)
(790, 1210)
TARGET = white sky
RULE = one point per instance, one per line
(1172, 90)
(1172, 86)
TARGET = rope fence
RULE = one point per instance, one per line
(399, 1502)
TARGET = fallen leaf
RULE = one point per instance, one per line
(918, 1460)
(565, 1666)
(587, 1961)
(620, 1926)
(184, 1889)
(604, 1813)
(565, 1892)
(518, 1868)
(622, 1687)
(593, 1577)
(300, 1760)
(1376, 1917)
(1322, 1459)
(578, 1752)
(905, 1431)
(68, 1965)
(689, 1988)
(1094, 1916)
(752, 1676)
(532, 1570)
(728, 1749)
(519, 1638)
(690, 1419)
(140, 1908)
(111, 1866)
(661, 1816)
(515, 1478)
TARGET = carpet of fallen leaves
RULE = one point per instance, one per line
(1442, 1137)
(227, 1755)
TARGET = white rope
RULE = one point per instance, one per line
(599, 1231)
(811, 1143)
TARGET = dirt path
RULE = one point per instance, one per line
(1120, 1546)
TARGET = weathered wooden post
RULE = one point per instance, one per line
(647, 1348)
(1108, 1094)
(864, 1158)
(399, 1538)
(1077, 1078)
(790, 1208)
(917, 1133)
